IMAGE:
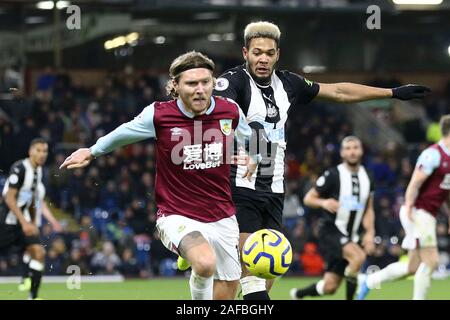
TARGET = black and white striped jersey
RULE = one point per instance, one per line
(266, 109)
(353, 191)
(28, 182)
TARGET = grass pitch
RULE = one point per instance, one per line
(178, 289)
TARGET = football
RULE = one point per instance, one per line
(267, 254)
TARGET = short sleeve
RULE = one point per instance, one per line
(429, 160)
(16, 176)
(229, 84)
(305, 90)
(325, 182)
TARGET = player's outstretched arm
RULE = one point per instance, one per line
(138, 129)
(346, 92)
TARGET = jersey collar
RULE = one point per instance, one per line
(190, 114)
(442, 145)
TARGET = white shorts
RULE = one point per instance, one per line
(419, 233)
(222, 235)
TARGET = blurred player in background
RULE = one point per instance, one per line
(427, 190)
(21, 214)
(265, 95)
(345, 193)
(194, 135)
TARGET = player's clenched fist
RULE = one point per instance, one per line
(79, 159)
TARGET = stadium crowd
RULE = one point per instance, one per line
(111, 202)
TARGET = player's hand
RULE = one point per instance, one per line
(410, 91)
(79, 159)
(29, 229)
(368, 244)
(244, 159)
(331, 205)
(251, 168)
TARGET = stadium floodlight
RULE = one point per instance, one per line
(449, 50)
(132, 37)
(49, 5)
(214, 37)
(45, 5)
(418, 2)
(62, 4)
(229, 36)
(314, 69)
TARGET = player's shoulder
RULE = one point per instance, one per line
(163, 105)
(231, 77)
(227, 106)
(369, 173)
(18, 166)
(332, 171)
(431, 152)
(224, 100)
(235, 72)
(288, 75)
(328, 175)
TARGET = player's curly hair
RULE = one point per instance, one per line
(189, 60)
(261, 29)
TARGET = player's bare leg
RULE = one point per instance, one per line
(253, 288)
(199, 253)
(391, 272)
(326, 286)
(429, 258)
(36, 265)
(225, 290)
(355, 256)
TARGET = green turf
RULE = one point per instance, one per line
(177, 288)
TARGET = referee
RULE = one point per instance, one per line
(345, 193)
(21, 210)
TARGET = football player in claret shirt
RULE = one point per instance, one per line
(194, 135)
(427, 190)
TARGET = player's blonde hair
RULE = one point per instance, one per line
(350, 138)
(261, 29)
(189, 60)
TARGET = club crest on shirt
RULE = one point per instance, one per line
(225, 126)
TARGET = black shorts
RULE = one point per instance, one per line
(258, 210)
(13, 236)
(331, 242)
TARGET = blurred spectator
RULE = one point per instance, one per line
(311, 261)
(106, 261)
